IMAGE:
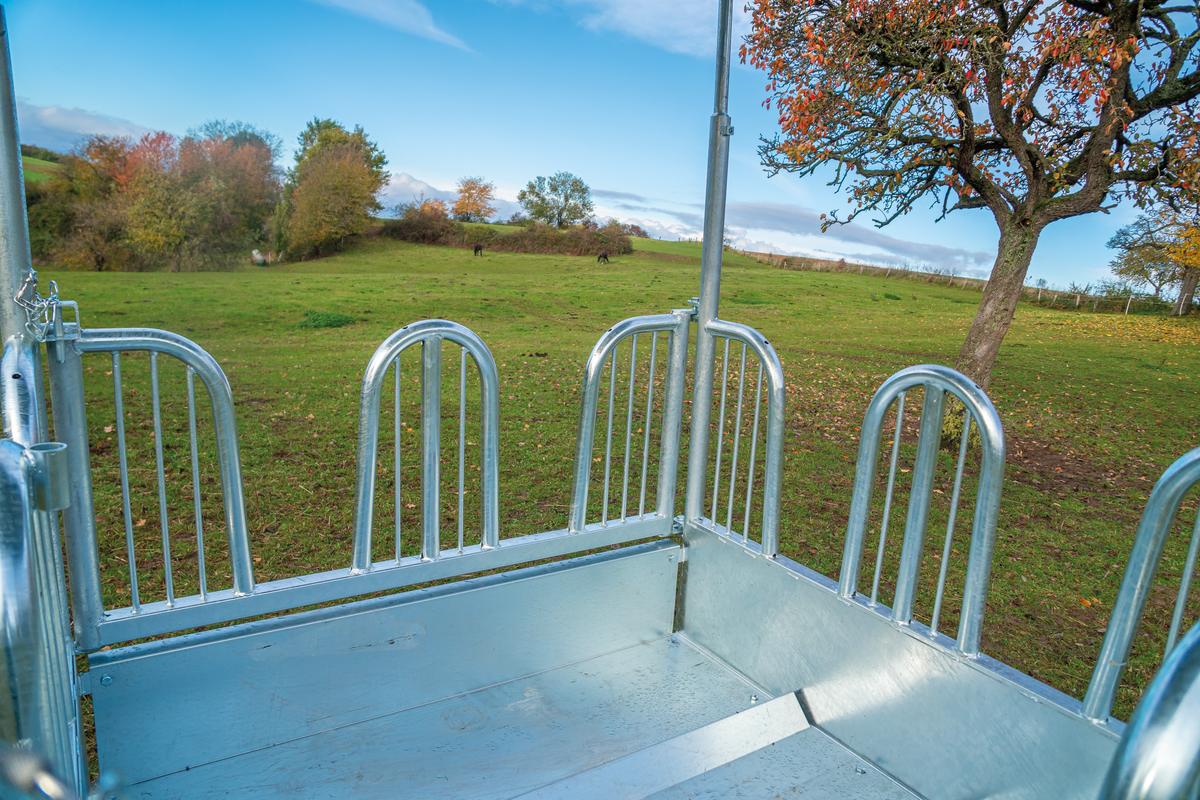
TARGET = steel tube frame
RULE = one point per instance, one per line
(25, 422)
(776, 408)
(122, 340)
(1159, 754)
(1147, 552)
(936, 381)
(676, 323)
(710, 269)
(431, 332)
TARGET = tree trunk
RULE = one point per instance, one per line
(999, 303)
(1183, 306)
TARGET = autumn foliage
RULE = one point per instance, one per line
(474, 202)
(119, 203)
(1034, 110)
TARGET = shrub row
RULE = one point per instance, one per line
(538, 238)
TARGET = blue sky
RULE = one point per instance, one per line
(617, 92)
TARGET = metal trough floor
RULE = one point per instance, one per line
(660, 719)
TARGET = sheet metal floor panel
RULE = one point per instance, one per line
(808, 764)
(498, 742)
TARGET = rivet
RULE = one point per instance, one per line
(106, 680)
(670, 558)
(753, 698)
(860, 769)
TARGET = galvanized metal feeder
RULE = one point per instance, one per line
(692, 661)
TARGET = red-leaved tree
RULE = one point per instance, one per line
(1036, 110)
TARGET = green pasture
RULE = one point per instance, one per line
(1094, 407)
(38, 170)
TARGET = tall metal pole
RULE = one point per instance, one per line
(22, 397)
(710, 270)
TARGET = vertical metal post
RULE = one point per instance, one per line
(431, 446)
(79, 521)
(918, 506)
(710, 269)
(668, 460)
(24, 410)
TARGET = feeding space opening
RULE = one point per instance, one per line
(736, 467)
(408, 425)
(160, 524)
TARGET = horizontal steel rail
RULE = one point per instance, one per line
(1158, 757)
(1148, 544)
(772, 370)
(677, 325)
(155, 619)
(937, 381)
(429, 334)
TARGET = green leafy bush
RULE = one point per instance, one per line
(891, 296)
(325, 319)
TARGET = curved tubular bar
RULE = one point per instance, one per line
(431, 333)
(936, 381)
(676, 323)
(1135, 586)
(1159, 753)
(120, 340)
(776, 409)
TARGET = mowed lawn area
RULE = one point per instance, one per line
(1094, 406)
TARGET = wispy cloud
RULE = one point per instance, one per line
(801, 221)
(679, 26)
(408, 16)
(59, 128)
(605, 194)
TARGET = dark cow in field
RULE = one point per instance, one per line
(478, 249)
(603, 257)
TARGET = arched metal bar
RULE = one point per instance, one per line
(123, 340)
(676, 324)
(1159, 754)
(937, 381)
(1148, 546)
(430, 333)
(776, 409)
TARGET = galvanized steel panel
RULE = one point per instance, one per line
(945, 725)
(169, 705)
(497, 742)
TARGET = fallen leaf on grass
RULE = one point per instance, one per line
(139, 523)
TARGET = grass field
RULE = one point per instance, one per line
(1094, 407)
(38, 170)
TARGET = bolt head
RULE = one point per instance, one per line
(106, 680)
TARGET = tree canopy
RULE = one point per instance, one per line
(560, 200)
(322, 134)
(475, 198)
(1034, 110)
(118, 203)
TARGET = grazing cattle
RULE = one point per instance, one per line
(478, 249)
(602, 257)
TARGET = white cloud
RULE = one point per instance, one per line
(404, 188)
(680, 26)
(59, 128)
(408, 16)
(791, 230)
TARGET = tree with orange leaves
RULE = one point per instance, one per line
(1036, 110)
(474, 203)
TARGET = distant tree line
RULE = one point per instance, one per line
(211, 198)
(200, 201)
